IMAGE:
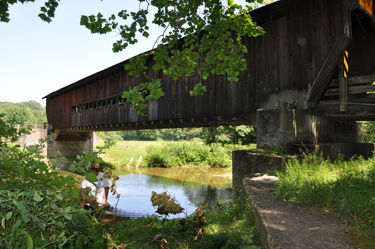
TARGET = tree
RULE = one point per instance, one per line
(202, 36)
(18, 115)
(368, 131)
(23, 112)
(242, 133)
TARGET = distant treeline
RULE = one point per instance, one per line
(23, 112)
(244, 134)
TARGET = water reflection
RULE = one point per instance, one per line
(190, 186)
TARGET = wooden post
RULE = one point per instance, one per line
(343, 94)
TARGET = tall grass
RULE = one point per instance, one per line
(344, 188)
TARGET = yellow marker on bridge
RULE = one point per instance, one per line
(346, 65)
(367, 5)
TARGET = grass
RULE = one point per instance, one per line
(123, 151)
(342, 188)
(228, 226)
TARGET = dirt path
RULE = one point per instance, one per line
(283, 225)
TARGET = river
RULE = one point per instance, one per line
(191, 186)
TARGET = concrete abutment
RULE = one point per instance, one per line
(71, 146)
(284, 127)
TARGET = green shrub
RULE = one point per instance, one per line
(155, 157)
(220, 156)
(39, 205)
(178, 154)
(42, 218)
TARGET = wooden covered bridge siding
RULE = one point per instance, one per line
(357, 88)
(291, 58)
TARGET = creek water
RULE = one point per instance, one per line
(191, 186)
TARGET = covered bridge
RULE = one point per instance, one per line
(317, 57)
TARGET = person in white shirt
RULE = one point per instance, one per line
(101, 191)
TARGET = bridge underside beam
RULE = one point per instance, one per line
(78, 133)
(71, 136)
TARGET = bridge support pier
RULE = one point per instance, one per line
(71, 143)
(292, 128)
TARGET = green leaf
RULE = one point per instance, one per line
(3, 222)
(91, 177)
(42, 226)
(8, 215)
(43, 17)
(61, 234)
(84, 20)
(146, 34)
(42, 166)
(37, 197)
(17, 224)
(41, 236)
(25, 218)
(75, 192)
(30, 244)
(19, 170)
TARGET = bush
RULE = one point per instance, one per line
(179, 154)
(220, 156)
(156, 158)
(39, 205)
(40, 218)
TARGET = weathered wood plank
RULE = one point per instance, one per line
(343, 94)
(356, 80)
(322, 80)
(350, 108)
(351, 90)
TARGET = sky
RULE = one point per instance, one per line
(37, 58)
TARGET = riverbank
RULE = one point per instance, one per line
(227, 226)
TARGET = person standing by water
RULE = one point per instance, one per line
(100, 192)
